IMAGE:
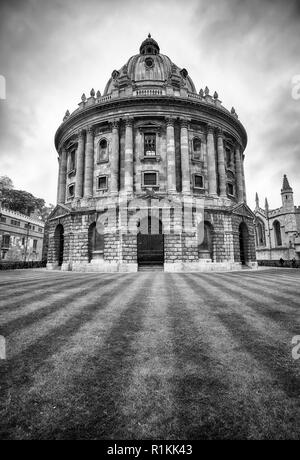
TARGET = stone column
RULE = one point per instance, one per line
(89, 164)
(114, 183)
(244, 181)
(80, 165)
(62, 177)
(211, 161)
(221, 164)
(128, 182)
(185, 158)
(171, 168)
(239, 174)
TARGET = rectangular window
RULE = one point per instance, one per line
(102, 183)
(23, 241)
(3, 220)
(150, 179)
(230, 189)
(34, 245)
(16, 223)
(150, 144)
(40, 230)
(71, 191)
(6, 241)
(27, 226)
(72, 160)
(198, 181)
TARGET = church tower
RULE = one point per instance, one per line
(287, 196)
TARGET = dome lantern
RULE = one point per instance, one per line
(149, 46)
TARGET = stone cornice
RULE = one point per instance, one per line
(195, 109)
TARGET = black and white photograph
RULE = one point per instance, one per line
(149, 222)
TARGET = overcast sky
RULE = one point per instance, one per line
(53, 51)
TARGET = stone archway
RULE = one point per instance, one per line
(150, 242)
(244, 243)
(59, 244)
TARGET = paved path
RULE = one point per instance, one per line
(149, 355)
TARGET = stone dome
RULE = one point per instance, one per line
(149, 68)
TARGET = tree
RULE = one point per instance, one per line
(6, 183)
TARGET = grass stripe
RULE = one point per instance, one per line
(255, 339)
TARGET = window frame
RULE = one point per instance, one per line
(194, 181)
(155, 144)
(150, 172)
(102, 189)
(230, 183)
(72, 162)
(71, 197)
(194, 157)
(99, 161)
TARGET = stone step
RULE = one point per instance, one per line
(151, 268)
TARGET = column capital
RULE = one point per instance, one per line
(220, 132)
(210, 128)
(184, 122)
(90, 130)
(81, 133)
(170, 121)
(115, 124)
(129, 122)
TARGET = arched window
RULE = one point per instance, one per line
(102, 151)
(277, 233)
(260, 233)
(197, 148)
(205, 249)
(95, 241)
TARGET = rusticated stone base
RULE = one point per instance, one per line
(119, 250)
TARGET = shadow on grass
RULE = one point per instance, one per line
(18, 374)
(277, 361)
(48, 287)
(30, 318)
(98, 393)
(200, 390)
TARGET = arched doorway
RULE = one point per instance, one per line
(59, 244)
(244, 243)
(95, 241)
(205, 249)
(150, 242)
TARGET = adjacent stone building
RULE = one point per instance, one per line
(278, 230)
(151, 173)
(21, 236)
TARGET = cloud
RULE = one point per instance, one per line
(52, 52)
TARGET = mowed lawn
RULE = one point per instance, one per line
(150, 355)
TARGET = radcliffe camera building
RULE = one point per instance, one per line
(153, 143)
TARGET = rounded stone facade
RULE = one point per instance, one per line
(151, 173)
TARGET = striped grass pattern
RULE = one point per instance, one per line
(150, 355)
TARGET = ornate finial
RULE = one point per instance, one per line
(83, 98)
(67, 114)
(149, 35)
(206, 91)
(184, 73)
(115, 74)
(232, 110)
(201, 92)
(92, 92)
(98, 94)
(216, 95)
